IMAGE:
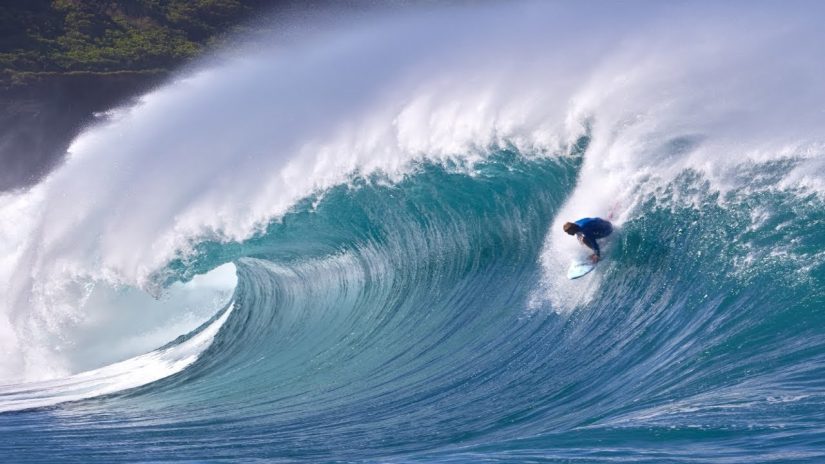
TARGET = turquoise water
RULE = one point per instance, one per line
(397, 323)
(344, 244)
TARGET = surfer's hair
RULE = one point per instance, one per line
(571, 228)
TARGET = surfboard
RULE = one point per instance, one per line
(579, 268)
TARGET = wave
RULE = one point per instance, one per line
(116, 377)
(389, 194)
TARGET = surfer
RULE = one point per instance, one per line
(587, 230)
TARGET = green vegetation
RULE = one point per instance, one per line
(41, 38)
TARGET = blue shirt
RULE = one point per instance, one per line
(591, 229)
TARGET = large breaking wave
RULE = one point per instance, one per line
(389, 193)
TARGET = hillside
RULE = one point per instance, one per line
(46, 38)
(62, 61)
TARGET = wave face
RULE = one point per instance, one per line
(390, 194)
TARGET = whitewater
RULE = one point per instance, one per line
(342, 242)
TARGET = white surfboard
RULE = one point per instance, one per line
(579, 268)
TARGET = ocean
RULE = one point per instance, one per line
(344, 244)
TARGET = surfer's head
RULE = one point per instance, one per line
(571, 228)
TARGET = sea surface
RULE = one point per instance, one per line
(344, 244)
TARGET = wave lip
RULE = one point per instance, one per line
(124, 375)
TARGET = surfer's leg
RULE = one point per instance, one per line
(590, 242)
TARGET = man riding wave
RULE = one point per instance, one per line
(587, 230)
